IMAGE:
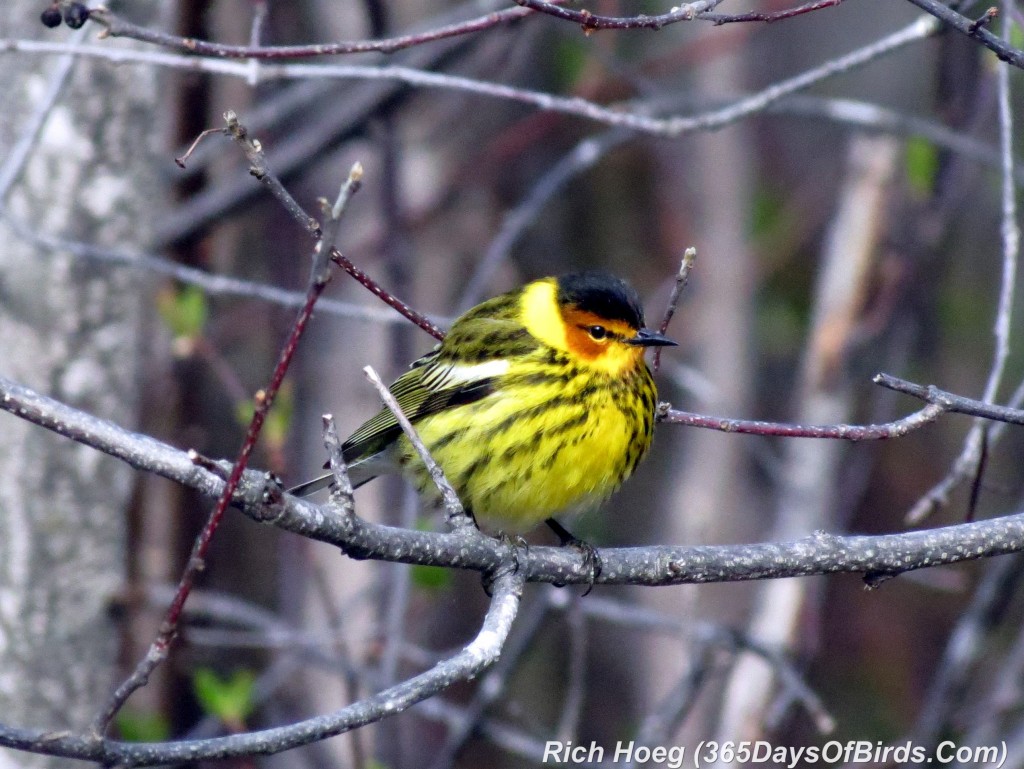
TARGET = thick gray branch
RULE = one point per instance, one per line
(820, 553)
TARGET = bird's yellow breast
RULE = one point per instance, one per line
(550, 439)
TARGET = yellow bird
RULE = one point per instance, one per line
(538, 402)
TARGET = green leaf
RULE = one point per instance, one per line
(768, 214)
(431, 577)
(184, 311)
(922, 166)
(278, 420)
(570, 60)
(275, 429)
(229, 699)
(244, 411)
(143, 726)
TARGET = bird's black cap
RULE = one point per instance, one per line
(602, 294)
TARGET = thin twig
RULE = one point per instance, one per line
(983, 21)
(950, 402)
(965, 646)
(336, 621)
(707, 634)
(397, 600)
(583, 156)
(322, 252)
(118, 27)
(689, 256)
(976, 484)
(341, 490)
(568, 725)
(182, 160)
(494, 685)
(161, 645)
(454, 512)
(592, 21)
(259, 17)
(663, 720)
(771, 16)
(388, 298)
(259, 169)
(855, 113)
(895, 429)
(971, 28)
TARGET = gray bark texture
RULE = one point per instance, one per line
(70, 327)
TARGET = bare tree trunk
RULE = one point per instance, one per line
(69, 327)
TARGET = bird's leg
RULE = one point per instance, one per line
(591, 560)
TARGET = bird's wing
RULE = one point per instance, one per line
(437, 381)
(424, 390)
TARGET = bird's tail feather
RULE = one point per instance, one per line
(323, 481)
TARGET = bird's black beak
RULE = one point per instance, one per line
(647, 338)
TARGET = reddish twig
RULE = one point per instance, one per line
(115, 26)
(263, 400)
(689, 255)
(389, 299)
(259, 169)
(939, 402)
(688, 12)
(168, 630)
(591, 21)
(895, 429)
(770, 16)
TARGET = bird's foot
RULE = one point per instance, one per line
(591, 559)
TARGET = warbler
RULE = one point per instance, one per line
(537, 402)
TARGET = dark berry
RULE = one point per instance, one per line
(51, 17)
(75, 15)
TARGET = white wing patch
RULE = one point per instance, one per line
(475, 372)
(459, 373)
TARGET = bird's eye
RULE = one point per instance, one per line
(597, 332)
